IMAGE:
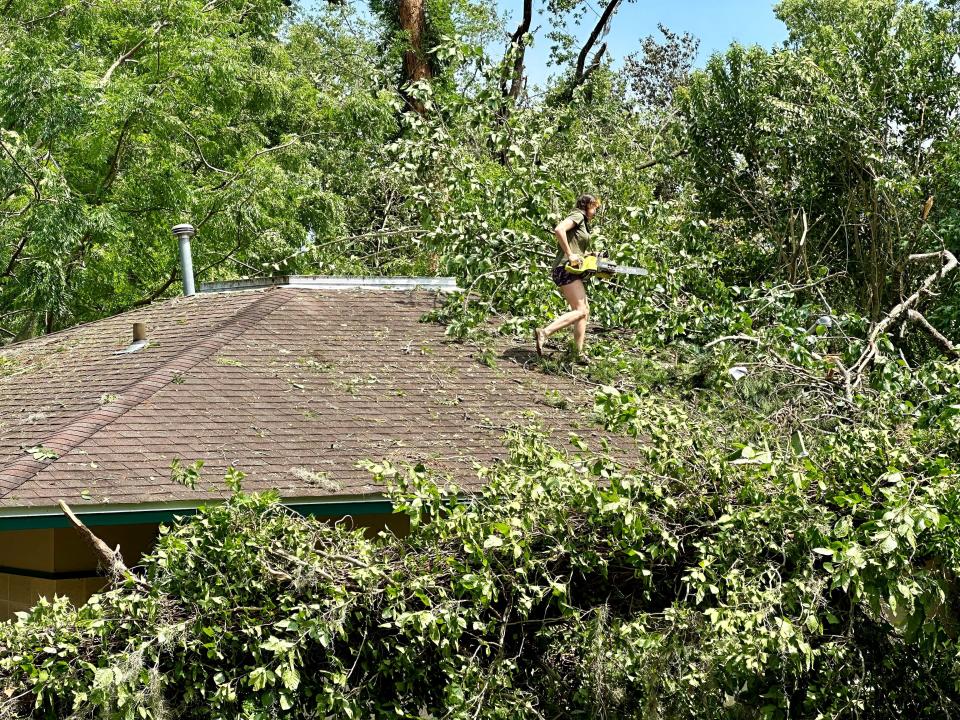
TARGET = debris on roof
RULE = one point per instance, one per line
(293, 386)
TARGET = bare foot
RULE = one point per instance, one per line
(539, 339)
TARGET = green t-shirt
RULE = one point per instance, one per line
(578, 237)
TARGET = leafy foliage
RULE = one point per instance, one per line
(570, 585)
(120, 119)
(784, 545)
(825, 152)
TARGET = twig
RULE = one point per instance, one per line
(657, 161)
(129, 54)
(203, 158)
(159, 291)
(30, 23)
(21, 168)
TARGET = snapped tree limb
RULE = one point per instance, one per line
(109, 559)
(518, 44)
(900, 310)
(942, 341)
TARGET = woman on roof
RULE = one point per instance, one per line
(573, 237)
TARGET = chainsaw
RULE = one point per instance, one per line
(601, 267)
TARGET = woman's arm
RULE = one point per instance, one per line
(560, 231)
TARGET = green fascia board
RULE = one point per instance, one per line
(355, 508)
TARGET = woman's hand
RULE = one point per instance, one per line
(574, 259)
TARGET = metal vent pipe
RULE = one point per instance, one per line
(183, 233)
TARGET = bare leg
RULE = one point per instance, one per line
(576, 296)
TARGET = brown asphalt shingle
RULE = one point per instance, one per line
(291, 386)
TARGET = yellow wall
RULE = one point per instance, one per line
(44, 563)
(19, 592)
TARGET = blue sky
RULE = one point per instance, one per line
(717, 23)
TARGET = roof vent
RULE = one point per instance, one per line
(139, 339)
(183, 233)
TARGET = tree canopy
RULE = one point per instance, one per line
(784, 544)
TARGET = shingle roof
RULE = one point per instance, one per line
(291, 386)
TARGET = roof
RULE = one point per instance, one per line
(292, 386)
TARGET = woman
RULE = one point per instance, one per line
(573, 235)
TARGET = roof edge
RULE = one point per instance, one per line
(45, 518)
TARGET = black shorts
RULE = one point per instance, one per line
(562, 277)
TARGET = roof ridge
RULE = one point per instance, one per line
(82, 428)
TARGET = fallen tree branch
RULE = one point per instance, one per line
(942, 341)
(109, 559)
(727, 338)
(896, 314)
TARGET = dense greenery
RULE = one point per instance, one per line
(765, 583)
(785, 545)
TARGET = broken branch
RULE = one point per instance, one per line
(727, 338)
(942, 341)
(581, 72)
(870, 353)
(518, 44)
(109, 559)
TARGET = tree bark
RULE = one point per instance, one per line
(413, 22)
(110, 560)
(518, 42)
(511, 78)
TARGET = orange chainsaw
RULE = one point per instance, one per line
(601, 267)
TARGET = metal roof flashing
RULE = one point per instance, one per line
(333, 282)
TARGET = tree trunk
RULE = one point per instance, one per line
(413, 21)
(511, 78)
(518, 43)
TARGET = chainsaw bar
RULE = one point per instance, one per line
(592, 264)
(621, 269)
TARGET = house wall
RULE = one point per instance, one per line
(44, 563)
